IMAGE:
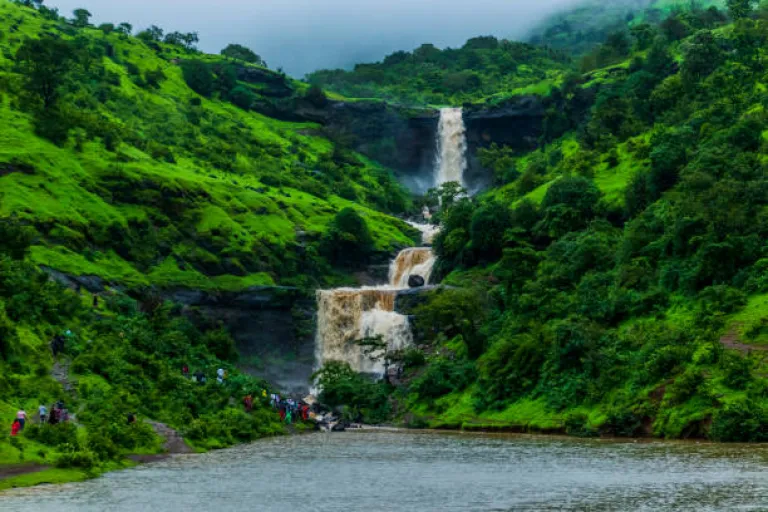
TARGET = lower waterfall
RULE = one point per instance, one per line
(346, 315)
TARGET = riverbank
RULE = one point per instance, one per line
(426, 472)
(30, 474)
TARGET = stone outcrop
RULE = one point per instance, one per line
(273, 328)
(270, 83)
(517, 123)
(416, 281)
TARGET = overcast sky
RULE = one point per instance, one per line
(304, 35)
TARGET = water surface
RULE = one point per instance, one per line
(387, 471)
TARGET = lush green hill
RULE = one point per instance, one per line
(485, 68)
(142, 165)
(614, 282)
(588, 25)
(134, 177)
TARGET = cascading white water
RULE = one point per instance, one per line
(346, 315)
(451, 159)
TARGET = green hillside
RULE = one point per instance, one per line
(485, 68)
(613, 282)
(134, 177)
(140, 165)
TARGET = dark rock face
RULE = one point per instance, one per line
(272, 84)
(407, 301)
(273, 328)
(402, 139)
(92, 284)
(517, 123)
(416, 281)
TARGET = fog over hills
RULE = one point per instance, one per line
(303, 35)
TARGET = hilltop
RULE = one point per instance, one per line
(150, 166)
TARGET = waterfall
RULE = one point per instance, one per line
(451, 159)
(415, 261)
(345, 315)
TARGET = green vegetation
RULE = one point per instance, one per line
(483, 68)
(124, 358)
(596, 280)
(140, 161)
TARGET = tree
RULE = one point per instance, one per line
(107, 28)
(739, 9)
(240, 52)
(348, 240)
(199, 77)
(82, 18)
(44, 63)
(487, 229)
(242, 97)
(568, 205)
(316, 97)
(125, 28)
(187, 40)
(701, 57)
(152, 34)
(15, 239)
(644, 35)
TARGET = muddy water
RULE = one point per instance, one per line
(380, 471)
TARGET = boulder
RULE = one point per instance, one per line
(415, 281)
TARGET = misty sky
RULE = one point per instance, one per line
(304, 35)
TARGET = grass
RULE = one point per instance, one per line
(458, 413)
(47, 476)
(751, 323)
(70, 196)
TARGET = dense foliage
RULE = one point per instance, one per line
(596, 281)
(483, 67)
(126, 359)
(141, 161)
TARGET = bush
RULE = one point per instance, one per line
(348, 240)
(60, 434)
(74, 457)
(442, 377)
(199, 77)
(577, 424)
(741, 421)
(622, 423)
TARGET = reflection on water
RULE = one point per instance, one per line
(384, 471)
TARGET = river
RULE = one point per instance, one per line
(422, 471)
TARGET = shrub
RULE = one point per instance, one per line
(740, 421)
(442, 377)
(577, 424)
(348, 240)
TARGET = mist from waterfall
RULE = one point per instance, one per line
(451, 157)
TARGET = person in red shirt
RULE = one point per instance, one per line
(15, 428)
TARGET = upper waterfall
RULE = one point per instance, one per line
(451, 159)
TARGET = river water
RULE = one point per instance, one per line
(397, 471)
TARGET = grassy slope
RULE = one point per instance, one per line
(64, 188)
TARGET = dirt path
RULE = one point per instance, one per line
(20, 469)
(60, 372)
(174, 442)
(732, 340)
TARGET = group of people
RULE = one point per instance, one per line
(58, 414)
(200, 378)
(290, 410)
